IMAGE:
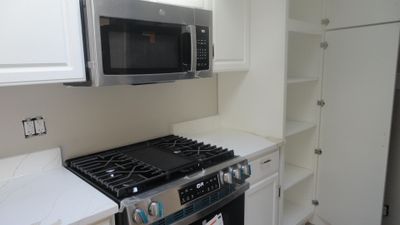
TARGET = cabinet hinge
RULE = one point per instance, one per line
(324, 45)
(91, 64)
(321, 103)
(279, 191)
(318, 151)
(385, 210)
(315, 202)
(325, 22)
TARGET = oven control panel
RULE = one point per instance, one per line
(198, 189)
(167, 205)
(203, 48)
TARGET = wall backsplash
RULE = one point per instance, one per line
(86, 120)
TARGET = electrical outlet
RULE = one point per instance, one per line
(40, 126)
(29, 128)
(34, 126)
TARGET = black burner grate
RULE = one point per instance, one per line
(206, 155)
(133, 169)
(119, 173)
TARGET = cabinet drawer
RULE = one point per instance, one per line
(264, 166)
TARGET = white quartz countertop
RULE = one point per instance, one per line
(36, 190)
(244, 144)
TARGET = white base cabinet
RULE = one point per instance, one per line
(261, 204)
(262, 199)
(41, 42)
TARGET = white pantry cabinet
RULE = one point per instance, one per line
(261, 206)
(231, 35)
(358, 87)
(346, 13)
(41, 42)
(340, 90)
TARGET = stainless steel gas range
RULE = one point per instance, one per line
(169, 180)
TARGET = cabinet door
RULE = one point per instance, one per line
(231, 35)
(41, 42)
(358, 87)
(261, 207)
(346, 13)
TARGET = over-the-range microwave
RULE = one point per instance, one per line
(140, 42)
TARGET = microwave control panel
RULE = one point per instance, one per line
(203, 48)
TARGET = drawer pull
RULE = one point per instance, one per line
(267, 161)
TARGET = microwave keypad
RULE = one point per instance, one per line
(203, 48)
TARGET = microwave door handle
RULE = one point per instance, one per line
(193, 47)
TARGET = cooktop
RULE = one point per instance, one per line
(133, 169)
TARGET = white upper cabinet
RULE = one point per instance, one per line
(346, 13)
(187, 3)
(231, 35)
(41, 42)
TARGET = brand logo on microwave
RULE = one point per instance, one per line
(200, 185)
(162, 12)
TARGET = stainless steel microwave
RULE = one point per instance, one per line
(139, 42)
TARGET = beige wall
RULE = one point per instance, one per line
(86, 120)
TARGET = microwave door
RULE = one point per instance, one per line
(147, 51)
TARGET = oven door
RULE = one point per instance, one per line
(232, 213)
(231, 208)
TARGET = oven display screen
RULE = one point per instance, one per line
(198, 189)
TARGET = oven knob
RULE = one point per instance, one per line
(140, 217)
(246, 168)
(156, 209)
(227, 177)
(237, 173)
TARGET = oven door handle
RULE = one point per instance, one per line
(193, 47)
(198, 215)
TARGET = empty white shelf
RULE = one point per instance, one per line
(295, 214)
(303, 27)
(295, 127)
(294, 175)
(296, 80)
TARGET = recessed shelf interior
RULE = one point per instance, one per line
(303, 27)
(304, 54)
(295, 174)
(308, 11)
(304, 69)
(296, 214)
(295, 127)
(297, 80)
